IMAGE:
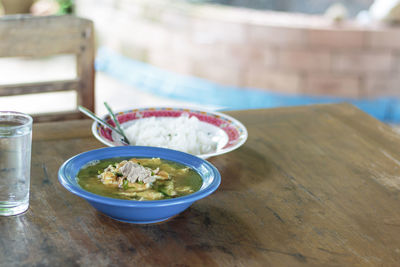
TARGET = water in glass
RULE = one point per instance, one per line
(15, 160)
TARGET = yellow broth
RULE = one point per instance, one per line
(182, 177)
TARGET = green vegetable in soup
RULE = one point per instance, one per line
(139, 179)
(166, 187)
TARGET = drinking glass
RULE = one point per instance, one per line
(15, 162)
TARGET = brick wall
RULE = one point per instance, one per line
(275, 51)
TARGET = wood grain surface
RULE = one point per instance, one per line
(312, 186)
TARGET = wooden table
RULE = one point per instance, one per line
(312, 186)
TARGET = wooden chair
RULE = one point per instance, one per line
(29, 36)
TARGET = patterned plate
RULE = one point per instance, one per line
(227, 131)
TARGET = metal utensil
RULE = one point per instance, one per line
(116, 121)
(104, 123)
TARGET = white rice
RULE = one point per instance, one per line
(180, 133)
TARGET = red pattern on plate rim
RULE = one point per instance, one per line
(224, 124)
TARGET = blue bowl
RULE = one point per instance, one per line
(133, 211)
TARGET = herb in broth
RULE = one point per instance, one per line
(139, 178)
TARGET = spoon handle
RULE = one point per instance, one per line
(99, 120)
(114, 118)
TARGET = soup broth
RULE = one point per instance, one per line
(139, 178)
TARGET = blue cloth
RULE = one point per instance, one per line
(186, 88)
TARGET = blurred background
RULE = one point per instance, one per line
(224, 54)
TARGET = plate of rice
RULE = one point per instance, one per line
(198, 132)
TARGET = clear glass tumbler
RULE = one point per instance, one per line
(15, 162)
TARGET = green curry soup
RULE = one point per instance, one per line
(139, 178)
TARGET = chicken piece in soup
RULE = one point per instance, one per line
(139, 178)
